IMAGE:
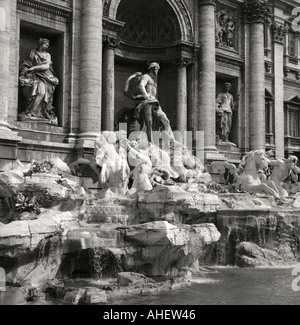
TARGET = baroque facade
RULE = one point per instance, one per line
(95, 45)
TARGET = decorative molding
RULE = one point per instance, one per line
(183, 61)
(267, 52)
(106, 6)
(187, 20)
(207, 2)
(292, 59)
(111, 42)
(231, 61)
(142, 54)
(268, 66)
(290, 82)
(257, 11)
(45, 10)
(279, 33)
(178, 6)
(286, 71)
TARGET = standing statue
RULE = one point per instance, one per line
(38, 82)
(225, 106)
(143, 87)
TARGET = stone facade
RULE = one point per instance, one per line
(200, 44)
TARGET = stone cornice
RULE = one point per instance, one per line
(287, 70)
(45, 10)
(110, 25)
(290, 82)
(257, 11)
(279, 33)
(229, 60)
(207, 2)
(143, 53)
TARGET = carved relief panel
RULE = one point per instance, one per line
(226, 28)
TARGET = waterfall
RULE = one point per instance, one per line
(274, 230)
(103, 263)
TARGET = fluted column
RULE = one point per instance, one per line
(4, 66)
(108, 107)
(279, 33)
(256, 12)
(207, 66)
(91, 70)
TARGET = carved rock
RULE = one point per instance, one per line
(251, 255)
(125, 279)
(153, 249)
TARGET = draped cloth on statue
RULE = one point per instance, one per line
(43, 84)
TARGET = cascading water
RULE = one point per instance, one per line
(270, 230)
(103, 263)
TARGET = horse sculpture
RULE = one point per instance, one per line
(247, 177)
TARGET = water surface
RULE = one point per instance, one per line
(230, 286)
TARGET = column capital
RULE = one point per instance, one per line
(279, 33)
(183, 61)
(111, 42)
(207, 2)
(257, 11)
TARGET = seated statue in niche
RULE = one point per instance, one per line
(225, 107)
(38, 82)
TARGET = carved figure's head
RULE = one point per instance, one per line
(227, 86)
(44, 43)
(153, 68)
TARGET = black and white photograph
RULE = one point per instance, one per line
(149, 155)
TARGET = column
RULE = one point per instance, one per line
(4, 66)
(8, 139)
(256, 13)
(90, 71)
(245, 97)
(108, 103)
(207, 66)
(182, 100)
(279, 33)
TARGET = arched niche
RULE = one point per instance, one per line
(178, 6)
(154, 30)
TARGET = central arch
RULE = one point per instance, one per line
(180, 10)
(155, 26)
(154, 30)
